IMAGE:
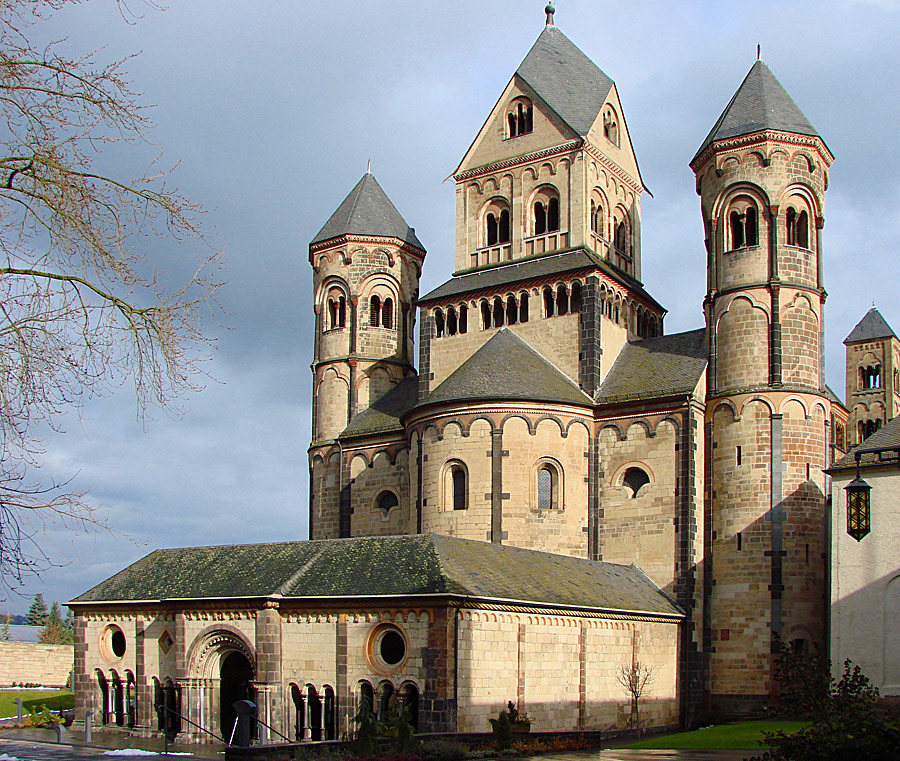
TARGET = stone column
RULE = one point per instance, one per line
(268, 670)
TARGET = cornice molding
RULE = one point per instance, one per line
(526, 158)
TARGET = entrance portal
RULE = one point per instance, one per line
(236, 675)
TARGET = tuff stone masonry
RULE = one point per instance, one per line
(561, 489)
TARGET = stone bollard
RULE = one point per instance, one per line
(61, 734)
(19, 710)
(88, 716)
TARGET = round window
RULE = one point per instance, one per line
(114, 645)
(387, 648)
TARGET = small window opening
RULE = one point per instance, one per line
(562, 300)
(597, 219)
(738, 455)
(387, 500)
(458, 486)
(635, 479)
(808, 474)
(485, 315)
(548, 302)
(807, 554)
(740, 541)
(498, 312)
(387, 314)
(575, 300)
(548, 488)
(523, 307)
(503, 227)
(438, 323)
(374, 311)
(463, 318)
(520, 120)
(553, 215)
(451, 321)
(512, 310)
(540, 218)
(492, 230)
(621, 238)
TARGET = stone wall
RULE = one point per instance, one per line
(30, 662)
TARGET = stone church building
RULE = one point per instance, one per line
(549, 487)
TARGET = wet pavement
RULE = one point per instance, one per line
(31, 745)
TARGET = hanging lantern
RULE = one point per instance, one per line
(859, 505)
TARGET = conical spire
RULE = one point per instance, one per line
(760, 103)
(368, 211)
(870, 328)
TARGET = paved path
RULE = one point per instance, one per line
(26, 750)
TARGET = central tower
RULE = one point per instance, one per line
(761, 176)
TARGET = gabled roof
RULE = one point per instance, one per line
(507, 368)
(417, 565)
(760, 103)
(566, 79)
(367, 211)
(383, 416)
(877, 449)
(871, 327)
(656, 367)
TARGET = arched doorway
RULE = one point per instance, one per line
(235, 677)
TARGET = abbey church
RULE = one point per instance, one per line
(548, 487)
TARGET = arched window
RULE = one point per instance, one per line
(610, 126)
(797, 227)
(496, 223)
(456, 489)
(549, 301)
(105, 698)
(520, 117)
(562, 300)
(548, 486)
(512, 310)
(367, 694)
(503, 227)
(374, 311)
(546, 211)
(485, 315)
(463, 318)
(575, 299)
(451, 321)
(387, 693)
(299, 713)
(330, 714)
(130, 699)
(498, 312)
(438, 323)
(598, 220)
(620, 240)
(743, 224)
(492, 229)
(387, 313)
(337, 309)
(387, 500)
(634, 480)
(410, 697)
(314, 713)
(871, 377)
(523, 307)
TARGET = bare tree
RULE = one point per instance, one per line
(636, 680)
(80, 308)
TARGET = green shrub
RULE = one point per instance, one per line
(502, 731)
(443, 750)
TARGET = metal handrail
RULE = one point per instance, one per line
(166, 709)
(286, 739)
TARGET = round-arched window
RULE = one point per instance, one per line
(386, 500)
(634, 480)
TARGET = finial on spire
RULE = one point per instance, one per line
(369, 167)
(758, 51)
(550, 10)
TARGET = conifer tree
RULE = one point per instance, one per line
(37, 613)
(55, 631)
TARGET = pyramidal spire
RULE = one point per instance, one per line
(871, 327)
(760, 103)
(367, 211)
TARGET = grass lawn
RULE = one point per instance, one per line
(54, 700)
(744, 735)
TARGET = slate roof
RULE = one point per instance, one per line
(566, 79)
(520, 270)
(384, 415)
(885, 439)
(656, 367)
(367, 211)
(381, 566)
(759, 103)
(872, 326)
(506, 368)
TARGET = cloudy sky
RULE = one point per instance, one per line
(274, 107)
